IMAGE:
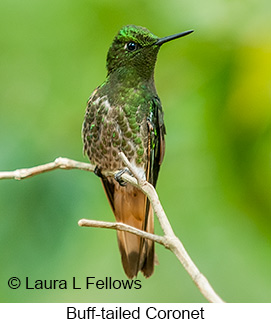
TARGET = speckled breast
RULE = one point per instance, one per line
(108, 129)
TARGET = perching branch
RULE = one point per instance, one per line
(62, 163)
(169, 240)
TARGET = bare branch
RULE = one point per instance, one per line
(169, 240)
(62, 163)
(121, 227)
(172, 242)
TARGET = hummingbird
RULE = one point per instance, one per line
(124, 114)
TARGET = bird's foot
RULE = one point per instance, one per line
(118, 175)
(98, 172)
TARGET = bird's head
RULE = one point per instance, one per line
(134, 50)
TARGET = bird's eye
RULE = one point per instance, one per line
(131, 46)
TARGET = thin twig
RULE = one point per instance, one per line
(169, 240)
(62, 163)
(121, 227)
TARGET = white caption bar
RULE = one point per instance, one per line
(151, 312)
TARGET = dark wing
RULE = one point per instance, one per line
(156, 145)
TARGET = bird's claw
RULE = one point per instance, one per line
(118, 175)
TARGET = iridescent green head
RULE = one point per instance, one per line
(135, 48)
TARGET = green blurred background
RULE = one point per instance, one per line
(215, 183)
